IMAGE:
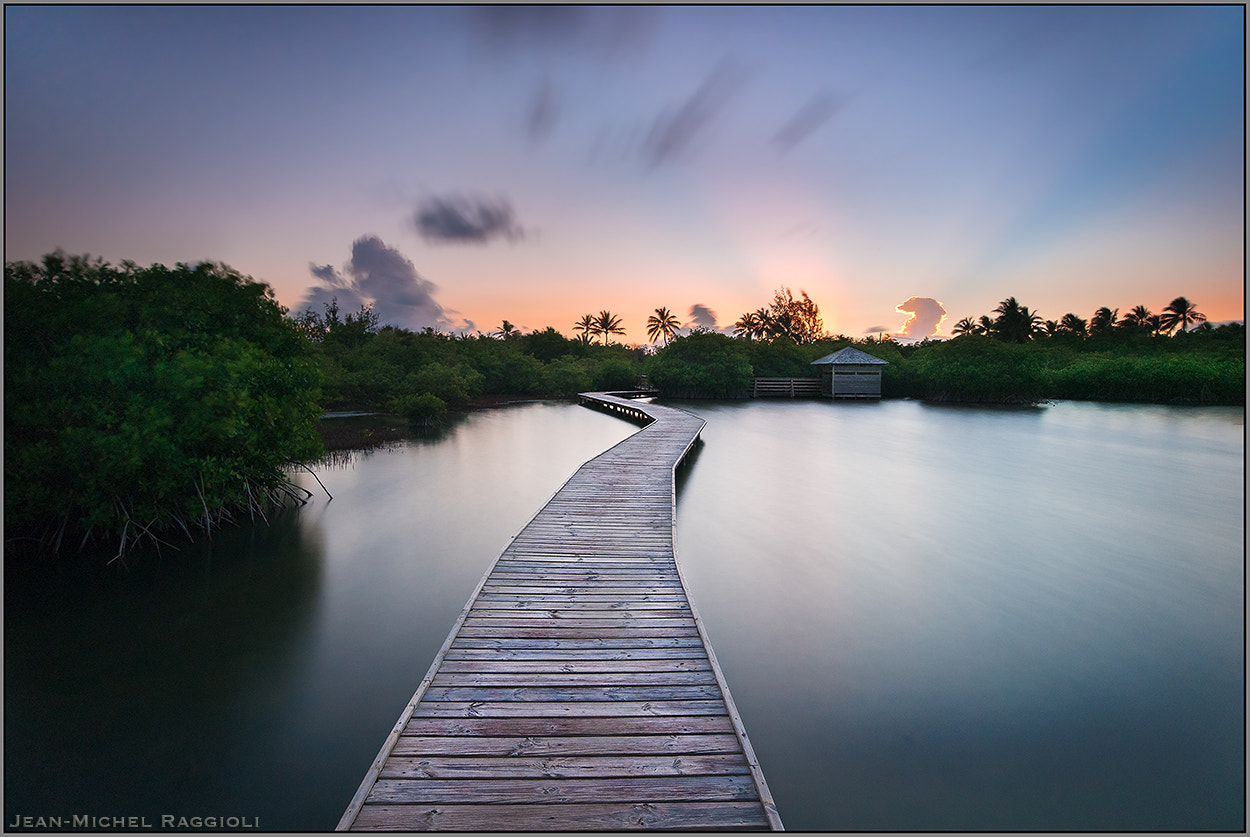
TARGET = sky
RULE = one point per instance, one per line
(456, 167)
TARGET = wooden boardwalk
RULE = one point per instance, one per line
(577, 690)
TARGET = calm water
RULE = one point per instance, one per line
(930, 618)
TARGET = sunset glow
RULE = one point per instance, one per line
(537, 164)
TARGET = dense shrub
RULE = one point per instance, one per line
(702, 365)
(420, 410)
(138, 400)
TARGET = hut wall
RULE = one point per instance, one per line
(853, 380)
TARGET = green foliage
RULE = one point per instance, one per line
(420, 410)
(977, 369)
(1123, 365)
(142, 399)
(702, 365)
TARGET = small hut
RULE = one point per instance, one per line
(850, 373)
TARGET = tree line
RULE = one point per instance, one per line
(1015, 323)
(146, 401)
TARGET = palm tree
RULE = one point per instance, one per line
(1138, 317)
(662, 324)
(1180, 312)
(1103, 320)
(748, 325)
(608, 323)
(586, 325)
(1015, 322)
(1072, 324)
(506, 330)
(966, 326)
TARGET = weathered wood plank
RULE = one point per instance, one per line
(577, 665)
(561, 679)
(570, 694)
(427, 766)
(568, 708)
(648, 816)
(601, 726)
(574, 643)
(562, 791)
(577, 745)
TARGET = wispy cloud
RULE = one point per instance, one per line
(674, 131)
(460, 219)
(815, 113)
(607, 32)
(542, 113)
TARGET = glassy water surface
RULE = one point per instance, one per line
(929, 617)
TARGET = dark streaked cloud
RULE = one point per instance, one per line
(379, 275)
(674, 131)
(816, 112)
(926, 315)
(876, 330)
(460, 219)
(542, 113)
(607, 32)
(703, 317)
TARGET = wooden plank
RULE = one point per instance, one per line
(608, 727)
(562, 791)
(427, 766)
(690, 640)
(555, 655)
(579, 665)
(648, 816)
(571, 694)
(565, 709)
(577, 688)
(575, 745)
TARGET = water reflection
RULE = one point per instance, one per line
(930, 618)
(258, 674)
(107, 677)
(937, 618)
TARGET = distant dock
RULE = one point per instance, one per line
(577, 690)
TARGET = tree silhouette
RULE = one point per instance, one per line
(1072, 324)
(797, 319)
(662, 324)
(967, 326)
(749, 325)
(1015, 322)
(506, 330)
(1181, 313)
(586, 327)
(1103, 320)
(607, 323)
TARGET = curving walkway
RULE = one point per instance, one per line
(577, 690)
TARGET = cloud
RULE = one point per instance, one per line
(818, 110)
(381, 276)
(926, 315)
(876, 330)
(607, 33)
(701, 316)
(541, 115)
(457, 219)
(673, 132)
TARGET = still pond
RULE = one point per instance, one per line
(930, 618)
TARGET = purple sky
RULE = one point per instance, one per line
(461, 166)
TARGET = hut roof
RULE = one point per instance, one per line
(848, 355)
